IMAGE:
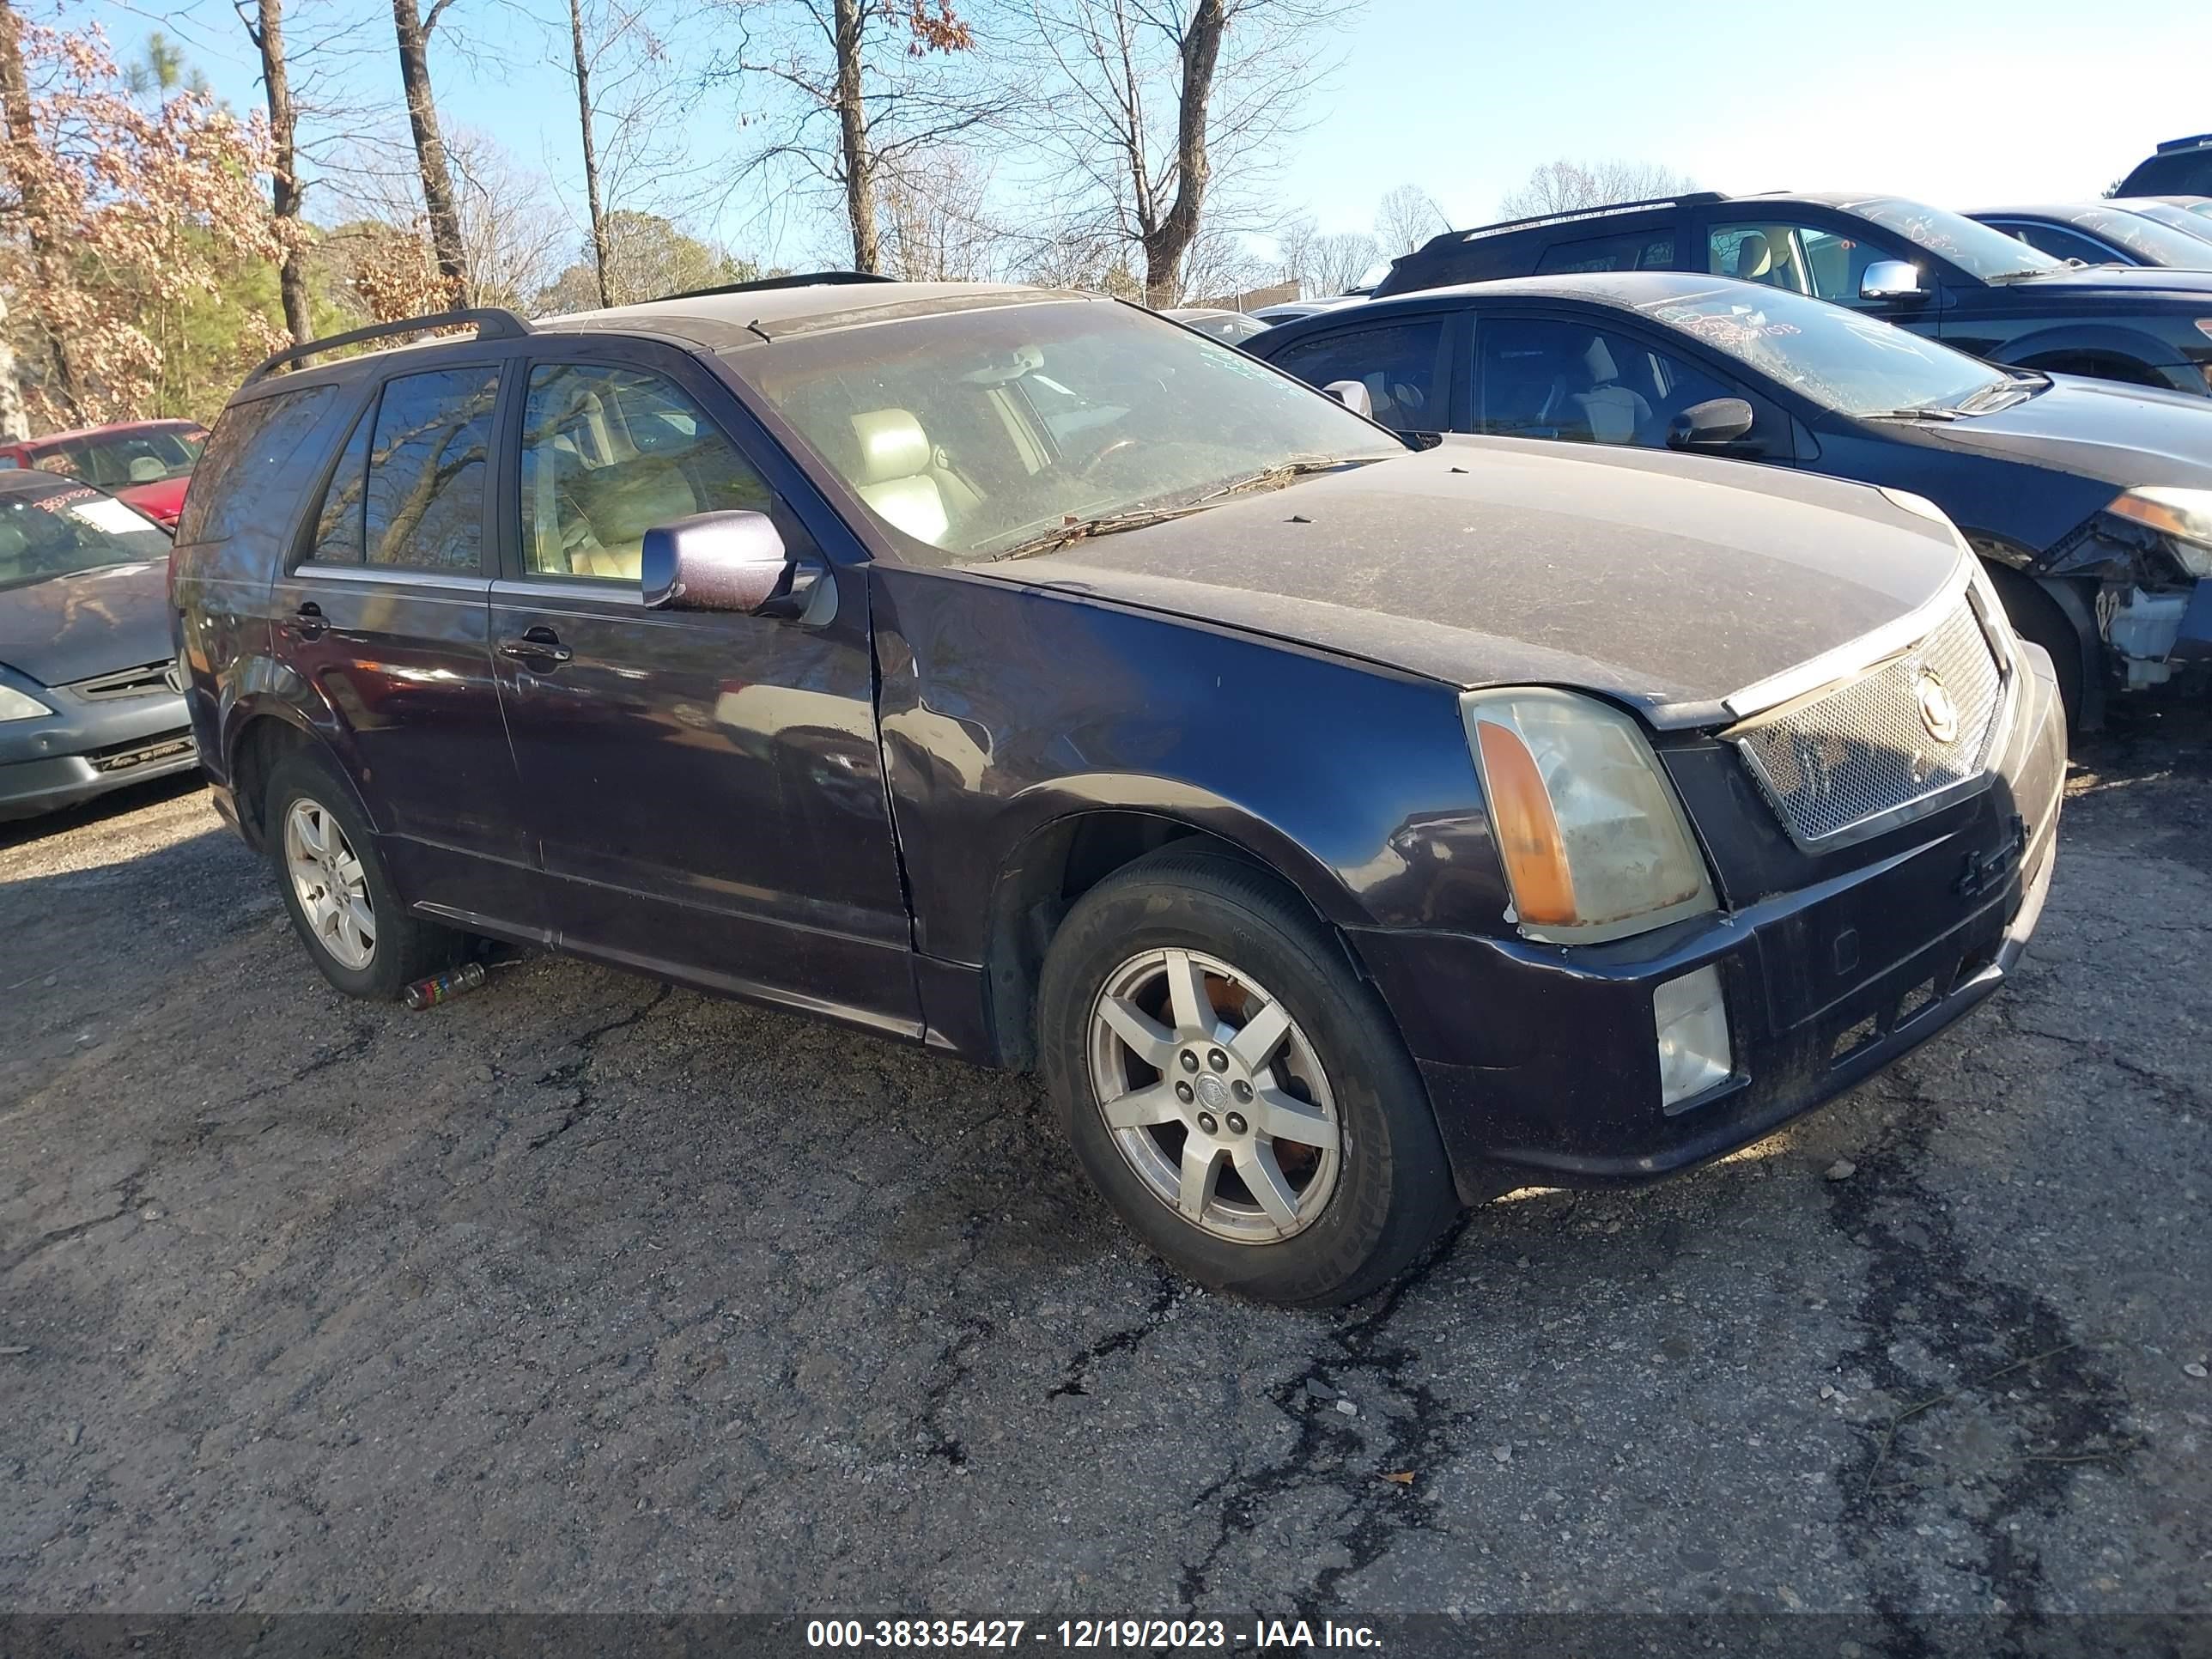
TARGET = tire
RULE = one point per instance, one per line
(1335, 1223)
(306, 793)
(2035, 617)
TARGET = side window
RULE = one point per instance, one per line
(1827, 264)
(244, 475)
(1543, 377)
(608, 453)
(1397, 364)
(1643, 251)
(426, 470)
(339, 537)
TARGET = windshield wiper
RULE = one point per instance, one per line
(1914, 412)
(1076, 530)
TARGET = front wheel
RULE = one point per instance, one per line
(1233, 1089)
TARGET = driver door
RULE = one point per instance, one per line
(1809, 254)
(705, 788)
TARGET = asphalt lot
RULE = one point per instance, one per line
(581, 1293)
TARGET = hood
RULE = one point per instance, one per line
(1666, 582)
(161, 501)
(2123, 435)
(2135, 283)
(70, 628)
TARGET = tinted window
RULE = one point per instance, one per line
(118, 461)
(1397, 364)
(426, 469)
(1643, 252)
(245, 476)
(1542, 377)
(608, 453)
(338, 529)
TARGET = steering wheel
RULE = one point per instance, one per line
(1114, 448)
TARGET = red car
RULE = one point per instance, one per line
(145, 463)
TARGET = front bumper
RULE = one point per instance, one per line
(1541, 1061)
(88, 747)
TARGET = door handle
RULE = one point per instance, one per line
(309, 619)
(537, 645)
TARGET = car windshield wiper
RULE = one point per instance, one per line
(1913, 412)
(1076, 530)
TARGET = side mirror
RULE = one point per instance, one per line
(1714, 424)
(725, 561)
(1892, 279)
(1352, 394)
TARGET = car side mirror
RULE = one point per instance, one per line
(733, 561)
(1892, 279)
(1716, 423)
(1353, 395)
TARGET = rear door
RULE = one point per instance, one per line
(705, 789)
(382, 608)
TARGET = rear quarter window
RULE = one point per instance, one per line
(247, 476)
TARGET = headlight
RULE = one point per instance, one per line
(1594, 842)
(16, 706)
(2183, 514)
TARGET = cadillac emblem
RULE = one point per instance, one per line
(1937, 712)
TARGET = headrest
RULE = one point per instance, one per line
(892, 445)
(146, 469)
(1752, 255)
(1598, 362)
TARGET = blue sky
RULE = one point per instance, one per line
(1959, 104)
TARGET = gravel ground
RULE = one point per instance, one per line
(583, 1293)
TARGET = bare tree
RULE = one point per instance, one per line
(264, 27)
(1294, 252)
(583, 62)
(1563, 187)
(1341, 259)
(413, 29)
(1149, 104)
(865, 87)
(631, 110)
(934, 224)
(513, 233)
(1405, 218)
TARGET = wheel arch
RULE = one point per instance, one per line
(260, 735)
(1064, 854)
(2101, 351)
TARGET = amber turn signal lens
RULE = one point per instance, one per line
(1527, 830)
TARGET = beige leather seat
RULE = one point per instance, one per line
(619, 504)
(1614, 413)
(896, 476)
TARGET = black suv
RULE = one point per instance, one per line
(2179, 166)
(1935, 272)
(1348, 828)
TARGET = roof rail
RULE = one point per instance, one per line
(2191, 142)
(802, 279)
(1568, 215)
(492, 323)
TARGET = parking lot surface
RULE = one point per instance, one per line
(579, 1292)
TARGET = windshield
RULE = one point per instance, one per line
(2142, 234)
(60, 532)
(2176, 222)
(1974, 247)
(119, 460)
(973, 432)
(1846, 360)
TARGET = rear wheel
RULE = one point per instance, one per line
(341, 898)
(1233, 1089)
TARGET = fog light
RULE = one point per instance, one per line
(1691, 1018)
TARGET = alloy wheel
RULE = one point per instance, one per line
(1214, 1095)
(328, 880)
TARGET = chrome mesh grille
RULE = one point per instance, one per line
(1832, 760)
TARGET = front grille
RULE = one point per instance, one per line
(1840, 759)
(146, 680)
